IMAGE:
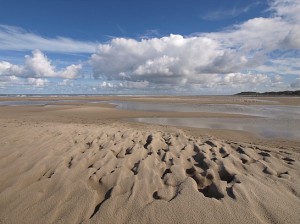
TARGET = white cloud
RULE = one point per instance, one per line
(205, 81)
(282, 65)
(8, 79)
(123, 85)
(38, 65)
(208, 59)
(14, 81)
(232, 80)
(258, 34)
(228, 13)
(245, 79)
(15, 38)
(134, 85)
(289, 9)
(105, 84)
(158, 66)
(37, 82)
(66, 82)
(167, 59)
(70, 72)
(296, 83)
(8, 69)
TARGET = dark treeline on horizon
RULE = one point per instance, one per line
(280, 93)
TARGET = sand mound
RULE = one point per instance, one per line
(76, 173)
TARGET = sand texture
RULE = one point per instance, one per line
(53, 172)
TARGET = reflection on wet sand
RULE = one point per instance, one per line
(272, 120)
(279, 128)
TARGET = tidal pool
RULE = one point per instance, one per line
(39, 102)
(271, 111)
(278, 121)
(269, 128)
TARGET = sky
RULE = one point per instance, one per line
(191, 47)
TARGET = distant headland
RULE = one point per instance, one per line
(280, 93)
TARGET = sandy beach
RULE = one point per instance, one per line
(78, 162)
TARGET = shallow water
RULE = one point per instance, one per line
(271, 111)
(278, 121)
(39, 103)
(24, 103)
(269, 128)
(272, 120)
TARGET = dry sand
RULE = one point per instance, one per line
(82, 164)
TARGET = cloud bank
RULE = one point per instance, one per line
(207, 59)
(38, 65)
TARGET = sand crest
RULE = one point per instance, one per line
(113, 173)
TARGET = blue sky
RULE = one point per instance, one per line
(149, 47)
(96, 20)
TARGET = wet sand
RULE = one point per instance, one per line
(84, 163)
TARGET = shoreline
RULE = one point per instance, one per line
(90, 113)
(252, 100)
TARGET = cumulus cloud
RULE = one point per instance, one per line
(123, 85)
(8, 79)
(174, 59)
(66, 82)
(167, 59)
(206, 59)
(8, 69)
(205, 81)
(14, 81)
(38, 65)
(296, 83)
(239, 79)
(70, 72)
(105, 84)
(15, 38)
(37, 82)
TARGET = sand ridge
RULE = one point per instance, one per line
(113, 173)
